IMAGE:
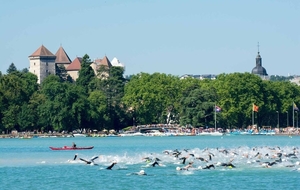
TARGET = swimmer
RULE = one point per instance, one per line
(230, 165)
(291, 155)
(142, 172)
(202, 159)
(279, 160)
(91, 161)
(279, 154)
(183, 159)
(224, 151)
(190, 165)
(147, 159)
(75, 156)
(209, 166)
(268, 164)
(258, 155)
(155, 163)
(176, 154)
(112, 165)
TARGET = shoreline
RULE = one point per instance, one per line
(59, 135)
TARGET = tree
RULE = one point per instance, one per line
(198, 107)
(86, 73)
(25, 70)
(16, 89)
(111, 82)
(152, 97)
(12, 68)
(98, 109)
(62, 73)
(66, 105)
(26, 117)
(237, 93)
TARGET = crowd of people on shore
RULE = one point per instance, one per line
(166, 129)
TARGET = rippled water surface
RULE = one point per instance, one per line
(30, 164)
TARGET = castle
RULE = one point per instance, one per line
(43, 63)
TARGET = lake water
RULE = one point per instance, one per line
(30, 164)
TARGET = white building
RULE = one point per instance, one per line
(116, 63)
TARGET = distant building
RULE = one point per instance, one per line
(201, 77)
(101, 62)
(74, 68)
(296, 80)
(43, 63)
(116, 63)
(259, 69)
(62, 58)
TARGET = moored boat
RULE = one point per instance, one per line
(71, 148)
(79, 135)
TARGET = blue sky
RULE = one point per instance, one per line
(172, 36)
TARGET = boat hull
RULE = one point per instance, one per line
(71, 148)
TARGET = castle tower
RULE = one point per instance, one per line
(42, 63)
(62, 58)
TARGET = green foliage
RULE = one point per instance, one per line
(197, 107)
(16, 89)
(25, 70)
(65, 105)
(62, 73)
(12, 68)
(98, 106)
(152, 97)
(111, 83)
(112, 102)
(86, 73)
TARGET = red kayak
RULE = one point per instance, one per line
(71, 148)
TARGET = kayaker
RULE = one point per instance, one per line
(74, 145)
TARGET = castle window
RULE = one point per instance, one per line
(46, 63)
(34, 63)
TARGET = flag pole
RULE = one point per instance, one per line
(215, 119)
(293, 114)
(252, 116)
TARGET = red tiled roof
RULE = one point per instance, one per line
(42, 52)
(62, 56)
(105, 62)
(75, 65)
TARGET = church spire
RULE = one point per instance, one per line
(259, 69)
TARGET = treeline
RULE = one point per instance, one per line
(109, 101)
